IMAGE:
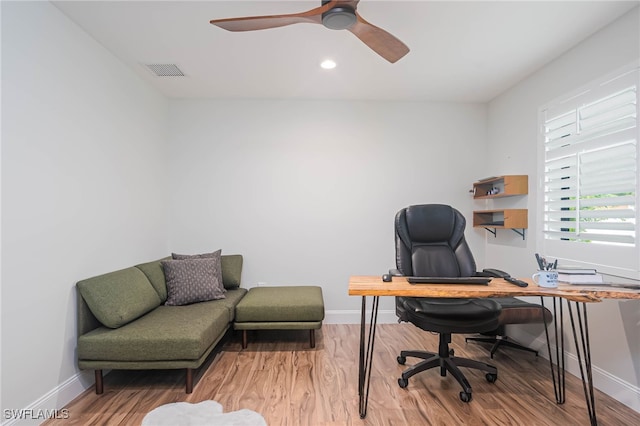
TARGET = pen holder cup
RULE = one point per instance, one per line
(548, 279)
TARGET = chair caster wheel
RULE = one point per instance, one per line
(402, 359)
(465, 397)
(451, 352)
(403, 383)
(491, 378)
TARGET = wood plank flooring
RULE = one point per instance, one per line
(280, 377)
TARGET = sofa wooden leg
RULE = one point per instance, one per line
(189, 381)
(99, 383)
(312, 338)
(244, 339)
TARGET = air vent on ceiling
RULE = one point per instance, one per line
(165, 70)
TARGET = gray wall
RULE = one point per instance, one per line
(513, 139)
(83, 167)
(308, 191)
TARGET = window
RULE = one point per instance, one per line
(589, 165)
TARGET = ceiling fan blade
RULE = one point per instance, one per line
(380, 41)
(252, 23)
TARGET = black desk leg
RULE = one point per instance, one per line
(366, 358)
(557, 372)
(583, 350)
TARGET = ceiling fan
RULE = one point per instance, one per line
(333, 14)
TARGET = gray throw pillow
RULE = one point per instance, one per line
(216, 255)
(192, 280)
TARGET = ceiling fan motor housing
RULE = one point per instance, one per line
(339, 18)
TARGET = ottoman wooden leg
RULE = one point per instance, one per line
(312, 338)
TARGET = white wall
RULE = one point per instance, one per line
(307, 191)
(83, 169)
(512, 142)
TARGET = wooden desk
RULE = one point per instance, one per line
(580, 295)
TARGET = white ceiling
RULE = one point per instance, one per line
(460, 51)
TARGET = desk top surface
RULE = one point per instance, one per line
(363, 285)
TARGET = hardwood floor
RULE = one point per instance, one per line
(280, 377)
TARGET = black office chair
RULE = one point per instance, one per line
(430, 242)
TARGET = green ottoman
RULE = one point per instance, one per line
(280, 308)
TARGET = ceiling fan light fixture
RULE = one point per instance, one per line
(339, 18)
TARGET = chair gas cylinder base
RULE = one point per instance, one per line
(479, 314)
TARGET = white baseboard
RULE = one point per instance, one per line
(615, 387)
(51, 404)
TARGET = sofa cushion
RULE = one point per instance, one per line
(119, 297)
(231, 299)
(155, 275)
(166, 333)
(192, 280)
(231, 270)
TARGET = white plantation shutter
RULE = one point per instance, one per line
(590, 175)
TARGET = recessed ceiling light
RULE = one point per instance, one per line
(328, 64)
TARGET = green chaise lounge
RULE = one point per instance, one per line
(123, 323)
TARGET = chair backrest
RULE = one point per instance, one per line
(430, 242)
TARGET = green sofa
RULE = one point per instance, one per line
(123, 323)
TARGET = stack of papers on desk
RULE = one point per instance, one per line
(579, 276)
(580, 279)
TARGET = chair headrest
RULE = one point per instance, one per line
(441, 220)
(430, 242)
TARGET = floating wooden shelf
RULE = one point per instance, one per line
(491, 220)
(507, 186)
(499, 187)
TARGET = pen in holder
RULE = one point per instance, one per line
(547, 275)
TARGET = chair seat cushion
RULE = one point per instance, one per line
(453, 315)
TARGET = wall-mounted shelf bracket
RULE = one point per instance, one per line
(517, 231)
(494, 231)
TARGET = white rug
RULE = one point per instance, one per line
(205, 413)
